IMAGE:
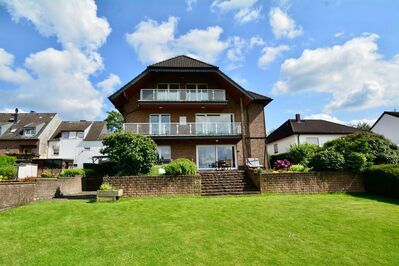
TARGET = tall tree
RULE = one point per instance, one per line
(363, 125)
(114, 121)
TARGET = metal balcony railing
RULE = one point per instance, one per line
(182, 95)
(187, 129)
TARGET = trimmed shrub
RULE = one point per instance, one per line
(106, 186)
(7, 160)
(73, 172)
(382, 180)
(302, 153)
(297, 168)
(327, 160)
(282, 164)
(133, 154)
(275, 157)
(356, 162)
(47, 174)
(181, 167)
(8, 171)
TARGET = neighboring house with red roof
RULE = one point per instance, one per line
(388, 126)
(77, 141)
(299, 131)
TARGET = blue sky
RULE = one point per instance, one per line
(337, 60)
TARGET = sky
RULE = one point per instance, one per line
(333, 59)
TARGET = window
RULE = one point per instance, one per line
(214, 123)
(87, 148)
(29, 131)
(312, 140)
(56, 149)
(183, 120)
(65, 135)
(159, 124)
(164, 153)
(211, 156)
(80, 134)
(72, 134)
(275, 146)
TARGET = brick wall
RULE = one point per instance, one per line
(136, 186)
(48, 188)
(13, 194)
(313, 182)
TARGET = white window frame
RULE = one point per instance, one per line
(164, 146)
(63, 136)
(159, 123)
(216, 159)
(275, 148)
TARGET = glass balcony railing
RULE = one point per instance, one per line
(187, 129)
(182, 95)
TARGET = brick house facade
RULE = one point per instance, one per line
(193, 110)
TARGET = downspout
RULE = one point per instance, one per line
(244, 148)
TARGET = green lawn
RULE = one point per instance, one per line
(330, 229)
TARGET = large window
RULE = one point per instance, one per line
(212, 156)
(168, 92)
(29, 131)
(214, 123)
(159, 124)
(197, 92)
(164, 153)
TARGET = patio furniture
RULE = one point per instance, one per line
(253, 163)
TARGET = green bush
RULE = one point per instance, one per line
(376, 148)
(281, 156)
(106, 186)
(7, 160)
(47, 174)
(133, 154)
(8, 171)
(382, 180)
(297, 168)
(302, 153)
(356, 162)
(327, 160)
(73, 172)
(181, 167)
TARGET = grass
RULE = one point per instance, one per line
(331, 229)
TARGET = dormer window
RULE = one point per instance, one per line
(72, 135)
(30, 131)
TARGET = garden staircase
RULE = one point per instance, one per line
(233, 182)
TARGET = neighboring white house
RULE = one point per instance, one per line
(299, 131)
(388, 126)
(77, 141)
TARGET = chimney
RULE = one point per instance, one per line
(298, 118)
(16, 115)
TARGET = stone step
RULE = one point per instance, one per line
(221, 193)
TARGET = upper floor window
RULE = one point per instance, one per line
(72, 134)
(29, 131)
(275, 147)
(166, 86)
(196, 86)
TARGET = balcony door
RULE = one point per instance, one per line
(214, 124)
(210, 156)
(160, 124)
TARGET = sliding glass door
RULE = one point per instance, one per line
(214, 124)
(159, 124)
(212, 156)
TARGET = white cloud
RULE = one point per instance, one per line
(7, 72)
(109, 84)
(190, 3)
(339, 34)
(245, 10)
(58, 80)
(236, 52)
(72, 21)
(283, 25)
(269, 54)
(256, 41)
(354, 73)
(153, 41)
(334, 119)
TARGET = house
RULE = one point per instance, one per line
(26, 135)
(193, 110)
(298, 131)
(78, 141)
(388, 126)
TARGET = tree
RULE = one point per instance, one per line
(133, 154)
(114, 121)
(363, 125)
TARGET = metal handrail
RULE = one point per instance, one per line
(183, 95)
(185, 129)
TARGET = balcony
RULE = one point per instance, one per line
(182, 95)
(177, 130)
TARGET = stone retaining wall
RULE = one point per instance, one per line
(16, 193)
(136, 186)
(312, 182)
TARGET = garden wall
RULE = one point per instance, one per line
(312, 182)
(16, 193)
(48, 188)
(136, 186)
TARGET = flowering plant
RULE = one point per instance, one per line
(282, 164)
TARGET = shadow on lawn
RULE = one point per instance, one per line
(376, 197)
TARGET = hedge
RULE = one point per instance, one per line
(382, 180)
(7, 160)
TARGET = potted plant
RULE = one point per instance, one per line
(107, 192)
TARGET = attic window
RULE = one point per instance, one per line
(30, 131)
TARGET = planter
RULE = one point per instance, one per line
(109, 195)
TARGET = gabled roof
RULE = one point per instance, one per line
(182, 61)
(96, 131)
(395, 114)
(309, 126)
(15, 131)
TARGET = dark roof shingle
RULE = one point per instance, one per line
(309, 126)
(96, 131)
(182, 61)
